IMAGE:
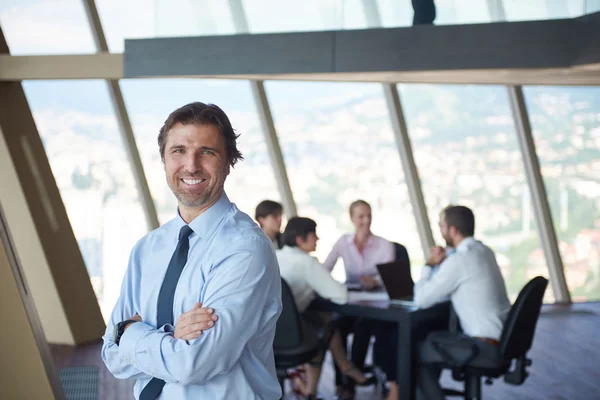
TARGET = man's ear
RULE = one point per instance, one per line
(261, 221)
(299, 240)
(452, 231)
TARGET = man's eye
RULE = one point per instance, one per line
(208, 152)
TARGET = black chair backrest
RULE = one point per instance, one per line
(401, 253)
(288, 333)
(517, 335)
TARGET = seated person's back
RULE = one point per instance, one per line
(303, 273)
(307, 278)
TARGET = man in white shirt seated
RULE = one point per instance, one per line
(307, 279)
(471, 279)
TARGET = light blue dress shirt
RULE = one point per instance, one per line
(232, 268)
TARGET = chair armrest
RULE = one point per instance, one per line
(519, 374)
(456, 350)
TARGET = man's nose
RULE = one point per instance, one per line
(192, 163)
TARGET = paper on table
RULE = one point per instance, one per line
(367, 296)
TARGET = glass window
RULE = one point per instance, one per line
(150, 101)
(455, 12)
(135, 19)
(395, 13)
(338, 147)
(309, 15)
(531, 10)
(566, 129)
(467, 153)
(46, 27)
(84, 147)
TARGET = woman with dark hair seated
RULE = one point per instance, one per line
(308, 279)
(268, 214)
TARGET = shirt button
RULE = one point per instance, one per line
(124, 358)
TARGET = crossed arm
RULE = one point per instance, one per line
(239, 289)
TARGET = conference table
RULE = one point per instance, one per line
(413, 325)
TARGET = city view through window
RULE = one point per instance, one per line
(338, 146)
(336, 139)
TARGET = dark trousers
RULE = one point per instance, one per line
(424, 12)
(428, 358)
(385, 350)
(362, 330)
(487, 356)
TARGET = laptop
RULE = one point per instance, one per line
(398, 282)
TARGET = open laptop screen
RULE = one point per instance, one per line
(397, 279)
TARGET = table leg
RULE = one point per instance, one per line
(406, 378)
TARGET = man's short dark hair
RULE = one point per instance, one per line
(298, 226)
(461, 218)
(266, 208)
(202, 114)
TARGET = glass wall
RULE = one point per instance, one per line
(467, 153)
(134, 19)
(150, 101)
(45, 27)
(85, 150)
(336, 138)
(566, 129)
(338, 147)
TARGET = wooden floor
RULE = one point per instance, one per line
(565, 354)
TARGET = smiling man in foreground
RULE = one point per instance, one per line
(211, 269)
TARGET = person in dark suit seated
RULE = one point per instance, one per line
(471, 279)
(268, 214)
(307, 279)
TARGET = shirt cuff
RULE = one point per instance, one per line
(426, 272)
(129, 341)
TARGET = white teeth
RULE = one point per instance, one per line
(193, 181)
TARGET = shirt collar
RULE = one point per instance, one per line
(465, 244)
(350, 239)
(204, 223)
(293, 249)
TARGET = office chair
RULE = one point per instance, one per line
(515, 342)
(296, 342)
(401, 253)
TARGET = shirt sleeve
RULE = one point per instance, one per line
(436, 288)
(121, 367)
(323, 283)
(244, 288)
(333, 256)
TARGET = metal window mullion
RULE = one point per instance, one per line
(372, 14)
(538, 195)
(259, 95)
(240, 22)
(411, 174)
(125, 128)
(403, 144)
(496, 9)
(272, 141)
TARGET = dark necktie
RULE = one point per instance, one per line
(165, 301)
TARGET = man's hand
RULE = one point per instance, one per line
(136, 317)
(190, 324)
(436, 256)
(368, 282)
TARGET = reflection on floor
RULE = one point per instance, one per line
(565, 353)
